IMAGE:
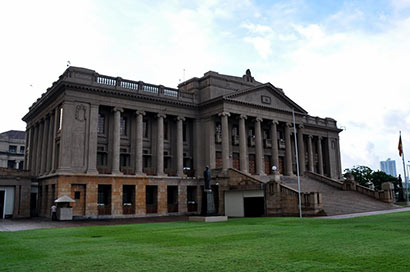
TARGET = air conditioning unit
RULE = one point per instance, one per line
(235, 140)
(218, 138)
(282, 144)
(251, 141)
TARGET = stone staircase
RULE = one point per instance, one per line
(336, 201)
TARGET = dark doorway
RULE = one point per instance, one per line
(151, 198)
(33, 205)
(254, 206)
(78, 192)
(172, 192)
(1, 204)
(192, 202)
(128, 199)
(215, 192)
(104, 199)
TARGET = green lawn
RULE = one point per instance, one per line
(376, 243)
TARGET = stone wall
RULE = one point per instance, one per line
(68, 184)
(21, 182)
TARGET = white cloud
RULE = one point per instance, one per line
(330, 67)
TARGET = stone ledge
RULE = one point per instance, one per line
(208, 218)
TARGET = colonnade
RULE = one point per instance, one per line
(40, 156)
(259, 148)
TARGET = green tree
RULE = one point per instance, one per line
(379, 177)
(364, 174)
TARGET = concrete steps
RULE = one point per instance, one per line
(335, 201)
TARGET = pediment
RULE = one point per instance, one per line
(268, 96)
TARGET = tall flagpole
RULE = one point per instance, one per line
(297, 162)
(404, 169)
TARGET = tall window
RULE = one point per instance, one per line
(123, 126)
(235, 130)
(12, 149)
(101, 124)
(145, 128)
(166, 131)
(60, 123)
(22, 149)
(184, 132)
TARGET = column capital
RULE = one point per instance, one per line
(301, 126)
(310, 136)
(243, 116)
(258, 119)
(161, 115)
(180, 118)
(139, 112)
(275, 122)
(320, 138)
(224, 113)
(289, 124)
(117, 109)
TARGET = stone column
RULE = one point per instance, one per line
(39, 147)
(288, 151)
(160, 144)
(92, 141)
(211, 156)
(310, 153)
(225, 140)
(259, 147)
(50, 143)
(115, 170)
(16, 165)
(53, 146)
(243, 147)
(320, 154)
(180, 146)
(301, 150)
(44, 146)
(33, 150)
(27, 151)
(275, 148)
(140, 138)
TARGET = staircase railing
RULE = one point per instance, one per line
(385, 195)
(324, 179)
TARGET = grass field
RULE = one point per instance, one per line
(376, 243)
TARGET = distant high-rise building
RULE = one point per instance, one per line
(389, 167)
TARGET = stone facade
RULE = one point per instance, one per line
(15, 189)
(91, 135)
(12, 144)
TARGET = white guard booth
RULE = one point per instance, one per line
(64, 211)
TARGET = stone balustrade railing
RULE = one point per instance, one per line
(85, 75)
(326, 122)
(284, 201)
(385, 195)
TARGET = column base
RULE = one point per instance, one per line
(116, 173)
(140, 174)
(92, 172)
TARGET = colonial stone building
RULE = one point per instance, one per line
(124, 148)
(12, 144)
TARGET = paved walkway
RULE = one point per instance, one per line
(45, 223)
(352, 215)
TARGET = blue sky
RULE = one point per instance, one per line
(349, 60)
